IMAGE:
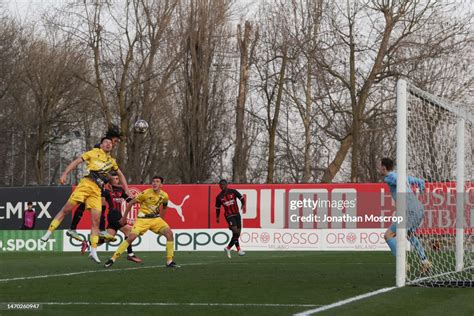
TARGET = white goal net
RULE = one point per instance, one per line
(435, 142)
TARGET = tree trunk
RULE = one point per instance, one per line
(239, 166)
(335, 165)
(39, 170)
(274, 121)
(98, 78)
(307, 128)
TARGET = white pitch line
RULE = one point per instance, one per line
(308, 263)
(92, 271)
(108, 270)
(173, 304)
(344, 302)
(111, 270)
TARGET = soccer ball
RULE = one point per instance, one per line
(141, 126)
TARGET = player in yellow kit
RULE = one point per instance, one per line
(149, 217)
(99, 164)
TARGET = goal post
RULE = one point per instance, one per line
(401, 179)
(435, 142)
(460, 170)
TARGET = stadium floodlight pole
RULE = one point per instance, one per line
(460, 130)
(401, 181)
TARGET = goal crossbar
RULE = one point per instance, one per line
(436, 101)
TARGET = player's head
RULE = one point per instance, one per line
(386, 165)
(29, 204)
(157, 182)
(114, 134)
(223, 184)
(114, 178)
(106, 144)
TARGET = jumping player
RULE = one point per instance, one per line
(228, 199)
(114, 134)
(99, 164)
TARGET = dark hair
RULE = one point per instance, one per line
(113, 173)
(223, 181)
(113, 132)
(104, 138)
(29, 203)
(158, 177)
(387, 163)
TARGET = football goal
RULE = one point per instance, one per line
(435, 142)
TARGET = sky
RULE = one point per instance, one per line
(32, 9)
(22, 9)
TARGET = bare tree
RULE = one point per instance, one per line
(271, 66)
(203, 89)
(361, 59)
(128, 45)
(158, 56)
(51, 76)
(247, 44)
(9, 59)
(304, 31)
(311, 97)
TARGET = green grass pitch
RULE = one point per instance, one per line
(208, 283)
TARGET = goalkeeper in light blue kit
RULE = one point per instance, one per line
(414, 212)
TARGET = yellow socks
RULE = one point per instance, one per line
(54, 224)
(94, 241)
(169, 251)
(123, 246)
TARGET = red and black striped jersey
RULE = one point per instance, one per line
(228, 200)
(115, 198)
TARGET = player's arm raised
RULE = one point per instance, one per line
(73, 165)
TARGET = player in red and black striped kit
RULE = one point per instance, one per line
(114, 197)
(227, 198)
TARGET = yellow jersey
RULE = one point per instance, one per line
(150, 201)
(99, 161)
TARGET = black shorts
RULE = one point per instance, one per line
(113, 219)
(234, 220)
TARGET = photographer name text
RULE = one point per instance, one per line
(346, 218)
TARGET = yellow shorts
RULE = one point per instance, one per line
(87, 192)
(142, 225)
